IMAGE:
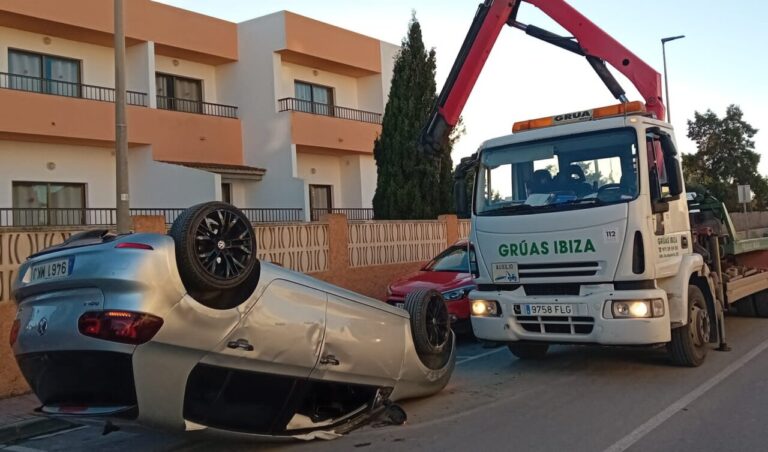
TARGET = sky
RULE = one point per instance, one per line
(721, 61)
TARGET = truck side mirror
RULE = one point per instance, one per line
(463, 209)
(672, 165)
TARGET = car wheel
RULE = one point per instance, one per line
(528, 350)
(689, 342)
(216, 254)
(430, 327)
(761, 303)
(746, 307)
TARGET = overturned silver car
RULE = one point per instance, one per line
(190, 331)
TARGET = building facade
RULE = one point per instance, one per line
(278, 112)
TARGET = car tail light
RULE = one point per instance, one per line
(120, 326)
(134, 246)
(15, 331)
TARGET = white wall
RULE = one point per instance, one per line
(368, 180)
(344, 87)
(28, 162)
(97, 62)
(388, 54)
(252, 85)
(140, 70)
(327, 171)
(191, 69)
(164, 185)
(152, 184)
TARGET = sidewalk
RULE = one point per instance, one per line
(17, 409)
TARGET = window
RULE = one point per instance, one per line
(179, 93)
(226, 192)
(320, 200)
(569, 172)
(48, 203)
(314, 98)
(43, 73)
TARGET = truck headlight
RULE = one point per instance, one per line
(637, 309)
(486, 308)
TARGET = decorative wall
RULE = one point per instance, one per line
(464, 228)
(383, 243)
(302, 247)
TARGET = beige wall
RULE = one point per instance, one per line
(327, 172)
(191, 69)
(344, 87)
(97, 62)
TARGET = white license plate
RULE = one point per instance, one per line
(400, 305)
(548, 309)
(60, 268)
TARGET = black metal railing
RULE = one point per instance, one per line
(60, 217)
(196, 106)
(67, 89)
(277, 215)
(353, 214)
(305, 106)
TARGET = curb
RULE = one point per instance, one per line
(30, 428)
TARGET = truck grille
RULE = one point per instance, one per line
(556, 324)
(565, 269)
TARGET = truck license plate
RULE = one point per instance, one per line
(548, 309)
(60, 268)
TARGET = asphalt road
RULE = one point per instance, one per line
(577, 399)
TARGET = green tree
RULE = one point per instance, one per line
(725, 157)
(410, 186)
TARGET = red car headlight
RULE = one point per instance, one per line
(120, 326)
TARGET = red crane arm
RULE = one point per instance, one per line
(591, 41)
(595, 42)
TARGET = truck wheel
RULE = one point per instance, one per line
(746, 307)
(689, 342)
(761, 303)
(528, 350)
(216, 254)
(430, 327)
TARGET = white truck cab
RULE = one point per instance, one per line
(582, 235)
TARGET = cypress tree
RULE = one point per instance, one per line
(410, 185)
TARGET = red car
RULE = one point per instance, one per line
(449, 273)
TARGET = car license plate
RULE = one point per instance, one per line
(400, 305)
(548, 309)
(60, 268)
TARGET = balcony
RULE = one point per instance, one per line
(305, 106)
(198, 107)
(67, 89)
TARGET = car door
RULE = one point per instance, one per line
(256, 377)
(364, 342)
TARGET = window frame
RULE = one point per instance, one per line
(330, 106)
(171, 103)
(48, 217)
(43, 56)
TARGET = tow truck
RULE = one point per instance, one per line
(583, 230)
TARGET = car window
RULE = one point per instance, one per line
(453, 259)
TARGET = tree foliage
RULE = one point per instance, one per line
(725, 157)
(410, 186)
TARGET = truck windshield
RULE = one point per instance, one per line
(571, 172)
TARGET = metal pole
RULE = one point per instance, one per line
(664, 41)
(121, 126)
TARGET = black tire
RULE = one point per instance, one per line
(218, 265)
(746, 307)
(528, 350)
(690, 343)
(761, 303)
(430, 327)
